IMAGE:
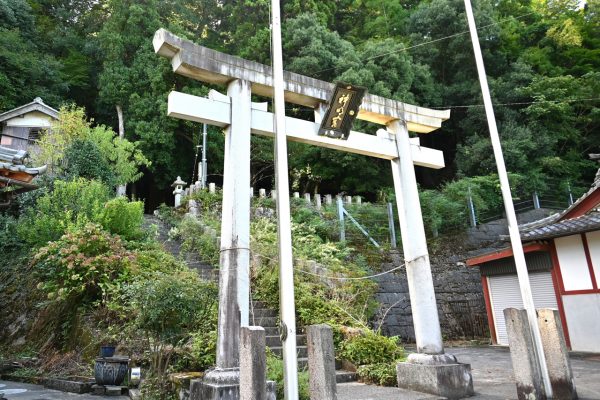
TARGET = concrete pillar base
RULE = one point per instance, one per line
(223, 384)
(438, 374)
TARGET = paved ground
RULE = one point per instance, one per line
(492, 378)
(25, 391)
(491, 367)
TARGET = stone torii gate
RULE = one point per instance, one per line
(429, 369)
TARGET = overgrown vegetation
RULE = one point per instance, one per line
(96, 276)
(323, 296)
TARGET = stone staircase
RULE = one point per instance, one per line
(260, 313)
(206, 271)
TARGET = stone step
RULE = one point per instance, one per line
(342, 376)
(302, 351)
(275, 340)
(262, 312)
(259, 304)
(271, 331)
(266, 322)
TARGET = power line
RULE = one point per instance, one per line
(520, 103)
(431, 41)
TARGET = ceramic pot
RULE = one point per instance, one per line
(110, 371)
(107, 351)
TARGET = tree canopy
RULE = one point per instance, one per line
(542, 58)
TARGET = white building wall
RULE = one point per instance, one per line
(593, 239)
(583, 321)
(573, 263)
(31, 119)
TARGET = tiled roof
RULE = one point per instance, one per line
(22, 168)
(584, 223)
(557, 217)
(36, 105)
(13, 161)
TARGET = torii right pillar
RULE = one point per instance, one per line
(428, 370)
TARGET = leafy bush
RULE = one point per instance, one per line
(208, 202)
(168, 308)
(73, 134)
(201, 352)
(82, 264)
(83, 159)
(70, 205)
(123, 217)
(370, 348)
(198, 242)
(275, 373)
(383, 374)
(9, 238)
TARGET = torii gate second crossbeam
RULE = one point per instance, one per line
(236, 112)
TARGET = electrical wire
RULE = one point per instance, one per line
(431, 41)
(521, 103)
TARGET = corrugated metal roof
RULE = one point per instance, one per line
(585, 223)
(536, 261)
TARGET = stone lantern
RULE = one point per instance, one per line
(178, 185)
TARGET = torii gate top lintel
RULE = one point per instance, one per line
(211, 66)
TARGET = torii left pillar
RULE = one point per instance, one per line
(223, 382)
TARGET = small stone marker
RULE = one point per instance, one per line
(251, 192)
(328, 200)
(212, 188)
(307, 197)
(262, 193)
(318, 201)
(253, 363)
(557, 355)
(274, 194)
(321, 362)
(348, 199)
(526, 369)
(296, 195)
(358, 199)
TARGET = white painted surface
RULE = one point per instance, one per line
(593, 240)
(583, 321)
(573, 263)
(6, 141)
(218, 113)
(505, 293)
(31, 119)
(418, 269)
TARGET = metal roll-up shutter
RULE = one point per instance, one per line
(505, 293)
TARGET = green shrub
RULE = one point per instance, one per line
(371, 348)
(168, 308)
(70, 205)
(383, 374)
(123, 217)
(82, 265)
(275, 373)
(208, 202)
(198, 242)
(84, 159)
(9, 238)
(201, 353)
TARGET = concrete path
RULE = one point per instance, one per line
(492, 378)
(491, 367)
(26, 391)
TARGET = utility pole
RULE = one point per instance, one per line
(513, 227)
(284, 228)
(203, 179)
